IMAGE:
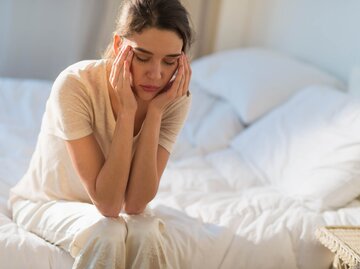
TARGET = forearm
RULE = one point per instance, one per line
(144, 177)
(112, 180)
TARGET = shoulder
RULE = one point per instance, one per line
(84, 70)
(83, 76)
(85, 66)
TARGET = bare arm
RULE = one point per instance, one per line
(150, 158)
(148, 165)
(105, 179)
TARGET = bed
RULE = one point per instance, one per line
(268, 154)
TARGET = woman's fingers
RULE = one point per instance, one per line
(127, 65)
(181, 86)
(179, 77)
(114, 64)
(182, 80)
(118, 66)
(187, 75)
(180, 89)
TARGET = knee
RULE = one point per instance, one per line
(145, 244)
(140, 228)
(106, 232)
(109, 229)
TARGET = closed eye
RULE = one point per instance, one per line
(145, 59)
(142, 59)
(170, 62)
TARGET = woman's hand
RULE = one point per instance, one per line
(120, 77)
(179, 87)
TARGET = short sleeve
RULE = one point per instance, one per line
(173, 121)
(68, 111)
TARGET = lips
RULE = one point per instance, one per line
(150, 88)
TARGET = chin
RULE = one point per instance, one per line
(145, 96)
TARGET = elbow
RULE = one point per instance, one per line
(134, 205)
(107, 205)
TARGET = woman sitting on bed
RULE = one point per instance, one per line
(106, 136)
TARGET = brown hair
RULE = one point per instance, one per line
(137, 15)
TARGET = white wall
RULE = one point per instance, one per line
(39, 38)
(323, 32)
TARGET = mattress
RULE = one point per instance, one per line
(216, 212)
(22, 104)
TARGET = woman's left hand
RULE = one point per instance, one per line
(179, 87)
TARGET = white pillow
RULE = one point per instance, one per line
(183, 148)
(218, 128)
(255, 80)
(309, 147)
(233, 169)
(201, 103)
(211, 125)
(22, 101)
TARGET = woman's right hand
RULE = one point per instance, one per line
(120, 78)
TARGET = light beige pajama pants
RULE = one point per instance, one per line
(95, 241)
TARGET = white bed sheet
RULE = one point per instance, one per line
(21, 105)
(217, 216)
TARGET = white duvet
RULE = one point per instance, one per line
(217, 212)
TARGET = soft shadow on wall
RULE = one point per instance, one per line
(40, 38)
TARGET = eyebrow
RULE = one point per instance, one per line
(149, 52)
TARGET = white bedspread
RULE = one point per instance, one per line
(217, 213)
(22, 103)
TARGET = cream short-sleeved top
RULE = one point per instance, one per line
(79, 105)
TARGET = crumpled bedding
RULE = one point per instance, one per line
(218, 214)
(247, 226)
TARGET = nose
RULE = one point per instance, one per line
(154, 72)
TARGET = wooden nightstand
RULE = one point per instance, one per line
(344, 241)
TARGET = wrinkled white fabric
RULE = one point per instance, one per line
(96, 242)
(218, 214)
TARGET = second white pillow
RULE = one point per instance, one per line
(309, 147)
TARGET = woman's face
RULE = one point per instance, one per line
(156, 54)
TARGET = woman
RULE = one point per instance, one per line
(106, 136)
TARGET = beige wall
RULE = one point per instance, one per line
(219, 24)
(40, 38)
(204, 16)
(233, 24)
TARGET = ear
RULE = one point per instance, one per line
(117, 41)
